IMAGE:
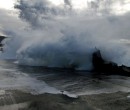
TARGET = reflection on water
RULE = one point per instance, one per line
(39, 80)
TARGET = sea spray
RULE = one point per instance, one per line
(57, 36)
(75, 43)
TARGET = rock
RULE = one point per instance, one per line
(107, 67)
(1, 44)
(2, 38)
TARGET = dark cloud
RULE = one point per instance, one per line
(38, 10)
(68, 3)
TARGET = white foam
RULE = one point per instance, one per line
(128, 96)
(22, 81)
(2, 92)
(70, 95)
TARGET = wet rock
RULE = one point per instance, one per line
(107, 67)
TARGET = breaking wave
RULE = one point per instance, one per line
(56, 36)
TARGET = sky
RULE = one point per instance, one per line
(118, 5)
(7, 4)
(65, 32)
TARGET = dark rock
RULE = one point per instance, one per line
(1, 44)
(108, 67)
(2, 38)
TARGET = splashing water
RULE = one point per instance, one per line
(61, 35)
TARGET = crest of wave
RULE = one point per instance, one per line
(61, 36)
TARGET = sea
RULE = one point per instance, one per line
(39, 80)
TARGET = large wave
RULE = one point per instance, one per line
(60, 36)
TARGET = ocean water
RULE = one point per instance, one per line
(37, 80)
(41, 33)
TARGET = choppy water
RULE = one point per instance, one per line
(37, 80)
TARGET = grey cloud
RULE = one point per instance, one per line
(38, 10)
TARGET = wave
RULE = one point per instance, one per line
(54, 37)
